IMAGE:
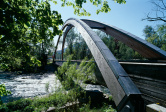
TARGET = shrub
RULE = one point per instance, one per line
(3, 92)
(19, 104)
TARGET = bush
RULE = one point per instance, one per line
(19, 104)
(3, 92)
(3, 108)
(29, 109)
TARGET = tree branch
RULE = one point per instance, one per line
(163, 3)
(160, 8)
(154, 19)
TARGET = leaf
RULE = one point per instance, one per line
(97, 12)
(25, 26)
(63, 4)
(28, 23)
(55, 2)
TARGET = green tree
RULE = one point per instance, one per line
(27, 23)
(149, 31)
(162, 36)
(70, 39)
(118, 49)
(24, 24)
(156, 36)
(76, 46)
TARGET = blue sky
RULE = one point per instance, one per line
(124, 16)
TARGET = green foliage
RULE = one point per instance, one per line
(156, 36)
(68, 72)
(71, 77)
(3, 92)
(85, 108)
(148, 31)
(104, 108)
(118, 49)
(76, 46)
(80, 11)
(105, 8)
(29, 109)
(24, 25)
(29, 26)
(71, 37)
(110, 109)
(19, 104)
(29, 105)
(58, 99)
(86, 70)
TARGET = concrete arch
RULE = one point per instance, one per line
(145, 48)
(123, 90)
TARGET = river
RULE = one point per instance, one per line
(32, 85)
(28, 85)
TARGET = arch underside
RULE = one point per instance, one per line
(145, 48)
(115, 77)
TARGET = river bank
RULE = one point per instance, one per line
(36, 84)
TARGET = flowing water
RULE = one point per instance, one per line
(32, 85)
(28, 85)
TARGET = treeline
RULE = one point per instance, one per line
(156, 36)
(76, 45)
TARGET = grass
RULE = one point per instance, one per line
(56, 100)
